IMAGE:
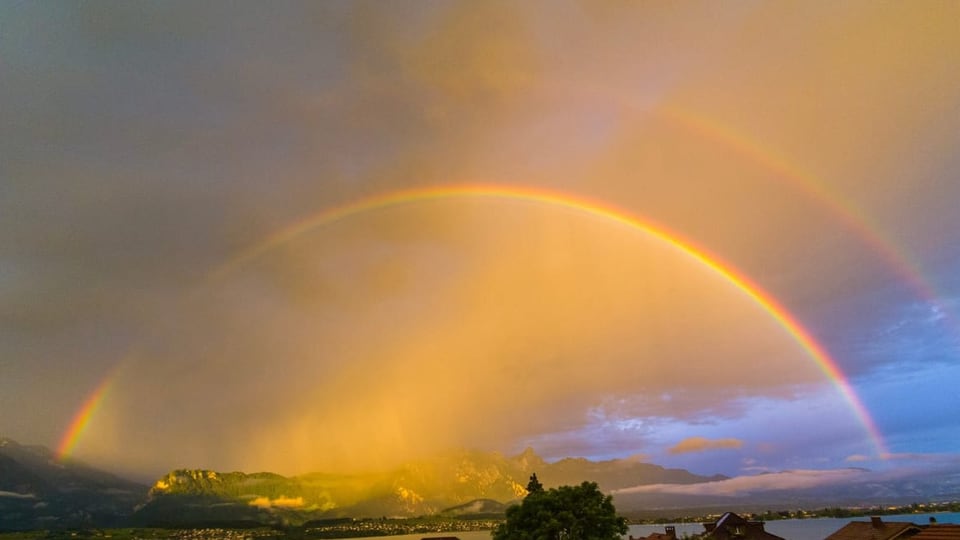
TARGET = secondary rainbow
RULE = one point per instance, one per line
(592, 208)
(843, 210)
(809, 185)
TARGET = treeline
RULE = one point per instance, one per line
(854, 512)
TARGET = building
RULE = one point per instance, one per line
(730, 526)
(876, 529)
(670, 533)
(938, 532)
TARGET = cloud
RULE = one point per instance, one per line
(742, 485)
(279, 502)
(920, 457)
(400, 332)
(702, 444)
(919, 468)
(15, 495)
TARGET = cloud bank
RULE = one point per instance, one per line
(702, 444)
(744, 485)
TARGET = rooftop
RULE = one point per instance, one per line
(939, 532)
(875, 529)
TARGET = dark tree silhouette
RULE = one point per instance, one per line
(534, 486)
(565, 513)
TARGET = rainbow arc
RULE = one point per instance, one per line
(814, 350)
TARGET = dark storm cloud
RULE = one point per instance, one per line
(142, 145)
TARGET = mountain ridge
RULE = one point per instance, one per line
(40, 491)
(423, 487)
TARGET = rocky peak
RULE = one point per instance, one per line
(528, 460)
(186, 481)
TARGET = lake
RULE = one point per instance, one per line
(791, 529)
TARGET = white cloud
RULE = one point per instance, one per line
(15, 495)
(279, 502)
(742, 485)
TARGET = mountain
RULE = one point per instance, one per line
(792, 489)
(458, 483)
(479, 484)
(38, 490)
(615, 474)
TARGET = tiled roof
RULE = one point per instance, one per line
(865, 530)
(670, 533)
(729, 518)
(939, 532)
(731, 525)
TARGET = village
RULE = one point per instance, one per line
(730, 526)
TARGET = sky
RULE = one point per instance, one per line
(330, 236)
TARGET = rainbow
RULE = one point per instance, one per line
(82, 418)
(841, 209)
(591, 208)
(539, 196)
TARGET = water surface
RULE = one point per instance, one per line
(790, 529)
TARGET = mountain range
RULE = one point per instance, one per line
(458, 483)
(40, 491)
(37, 490)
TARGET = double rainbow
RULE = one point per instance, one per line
(838, 206)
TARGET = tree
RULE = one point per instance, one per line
(565, 513)
(534, 486)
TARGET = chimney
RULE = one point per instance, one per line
(671, 531)
(877, 522)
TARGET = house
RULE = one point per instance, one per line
(875, 529)
(938, 532)
(730, 526)
(669, 534)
